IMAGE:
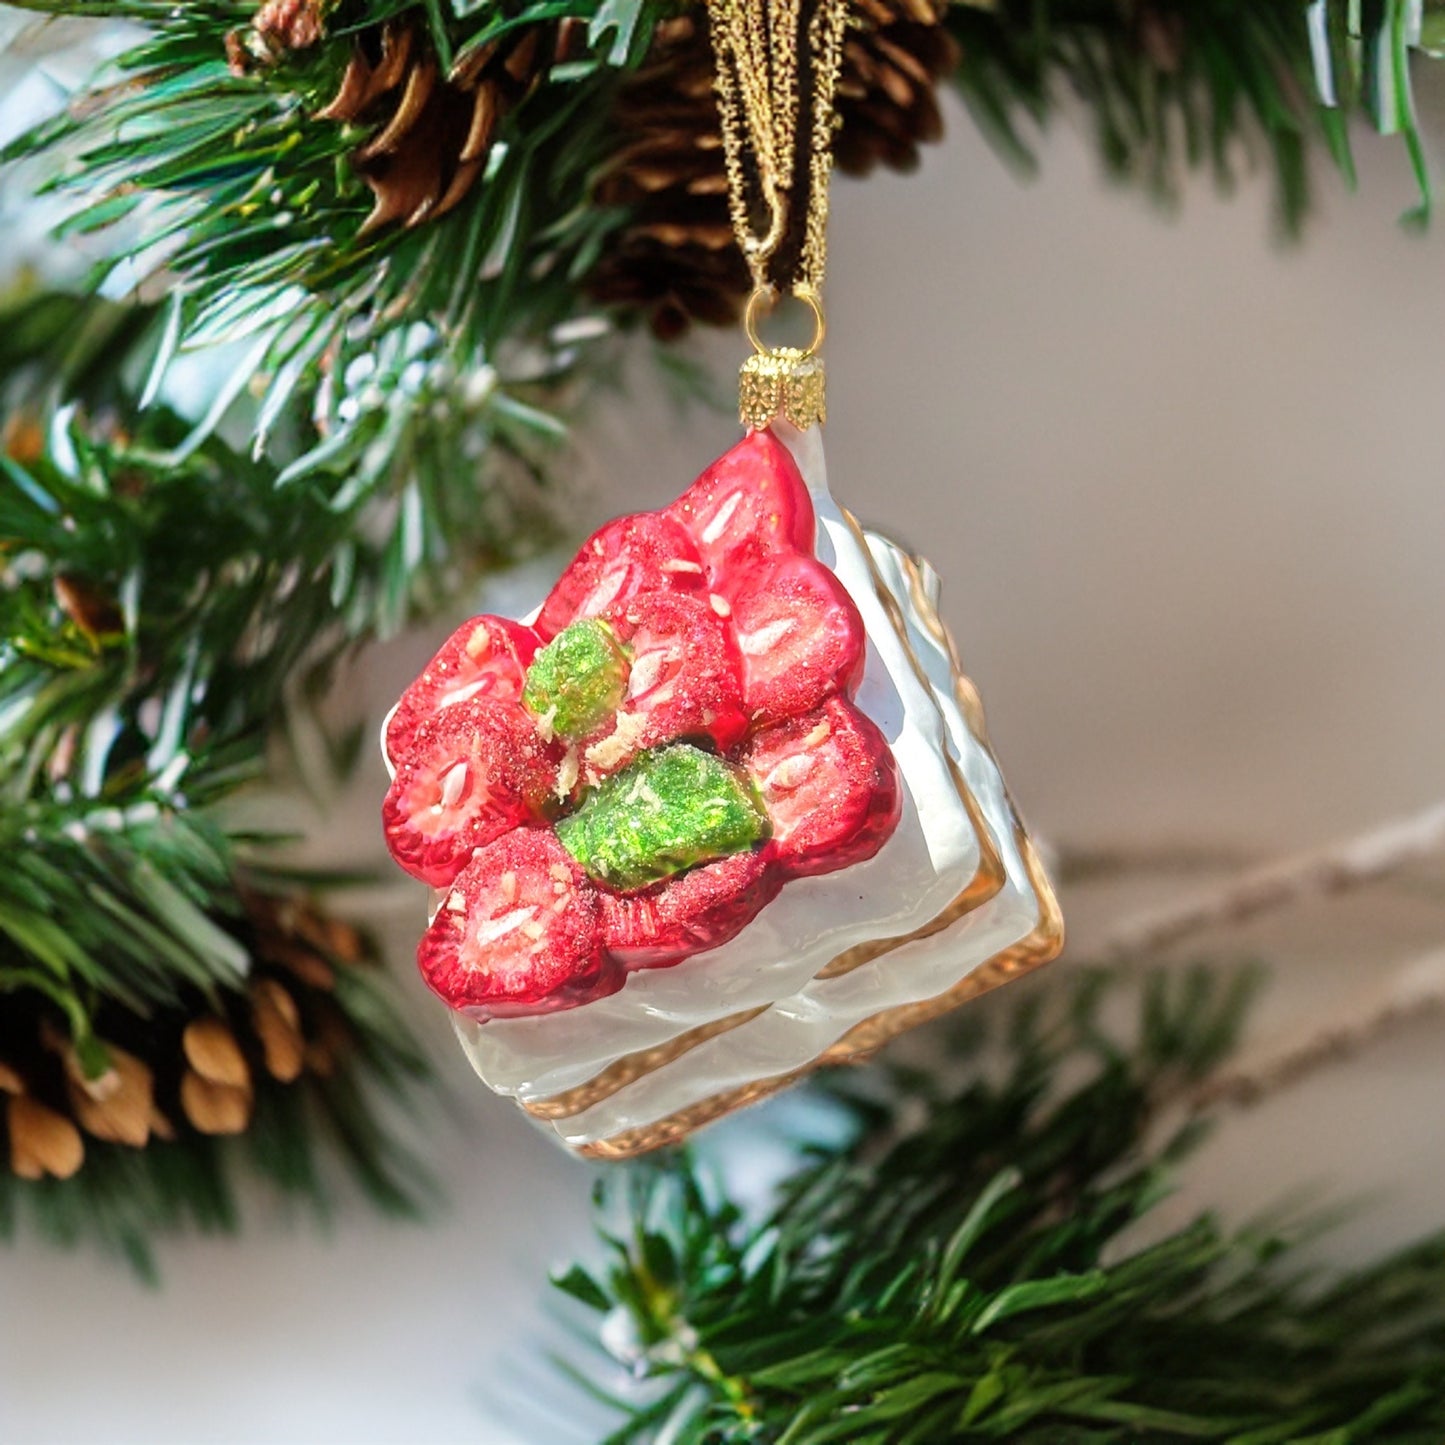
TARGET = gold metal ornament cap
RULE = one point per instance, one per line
(782, 381)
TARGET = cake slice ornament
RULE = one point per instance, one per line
(722, 809)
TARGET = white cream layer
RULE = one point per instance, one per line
(930, 859)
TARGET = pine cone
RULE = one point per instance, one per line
(431, 133)
(191, 1069)
(676, 260)
(888, 87)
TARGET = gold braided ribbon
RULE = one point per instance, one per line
(770, 57)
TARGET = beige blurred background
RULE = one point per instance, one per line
(1185, 488)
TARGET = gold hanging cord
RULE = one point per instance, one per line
(770, 57)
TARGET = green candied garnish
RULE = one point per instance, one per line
(577, 681)
(670, 810)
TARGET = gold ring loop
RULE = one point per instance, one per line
(769, 294)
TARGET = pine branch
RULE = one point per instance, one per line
(366, 357)
(1171, 86)
(243, 189)
(248, 201)
(968, 1278)
(157, 613)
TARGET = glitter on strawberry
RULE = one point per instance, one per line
(486, 657)
(685, 678)
(800, 636)
(698, 910)
(518, 932)
(830, 787)
(750, 504)
(473, 772)
(643, 552)
(669, 745)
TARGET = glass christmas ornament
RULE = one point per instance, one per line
(722, 810)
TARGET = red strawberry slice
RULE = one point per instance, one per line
(645, 552)
(748, 505)
(486, 657)
(684, 679)
(518, 932)
(830, 786)
(474, 771)
(800, 636)
(697, 910)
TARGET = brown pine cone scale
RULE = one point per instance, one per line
(432, 133)
(192, 1068)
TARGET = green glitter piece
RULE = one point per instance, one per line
(578, 680)
(670, 810)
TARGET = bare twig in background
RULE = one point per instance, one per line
(1417, 994)
(1414, 993)
(1365, 858)
(1072, 864)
